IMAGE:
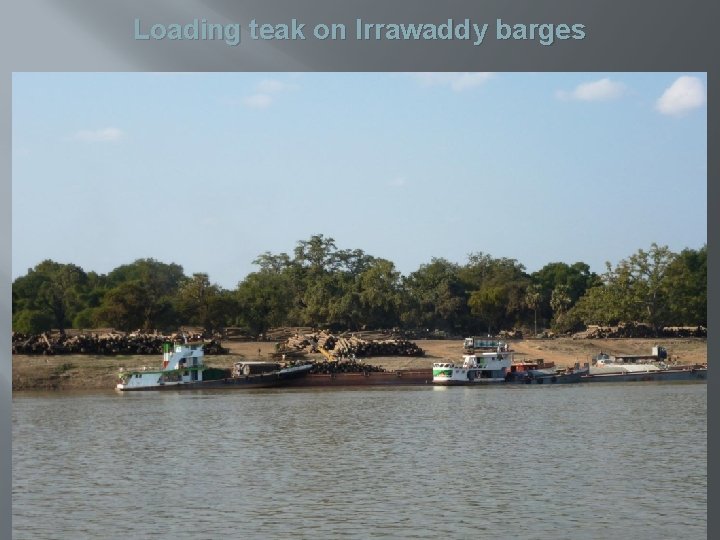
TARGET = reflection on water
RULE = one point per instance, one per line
(588, 461)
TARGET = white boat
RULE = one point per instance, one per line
(629, 368)
(183, 367)
(604, 364)
(485, 366)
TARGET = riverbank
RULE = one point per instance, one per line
(71, 372)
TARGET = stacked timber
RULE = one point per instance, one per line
(344, 366)
(108, 343)
(348, 346)
(684, 331)
(284, 332)
(233, 333)
(639, 330)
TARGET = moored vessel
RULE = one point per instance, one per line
(490, 364)
(183, 368)
(628, 368)
(539, 372)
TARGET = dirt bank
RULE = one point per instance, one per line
(87, 371)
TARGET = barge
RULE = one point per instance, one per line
(183, 368)
(690, 373)
(369, 378)
(538, 372)
(637, 368)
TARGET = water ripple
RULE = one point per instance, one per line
(592, 461)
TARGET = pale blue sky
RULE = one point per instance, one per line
(210, 170)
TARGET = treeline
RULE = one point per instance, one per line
(320, 285)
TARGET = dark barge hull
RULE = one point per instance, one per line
(392, 378)
(697, 374)
(564, 378)
(267, 380)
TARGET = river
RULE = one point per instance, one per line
(572, 461)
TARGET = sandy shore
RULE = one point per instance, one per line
(68, 372)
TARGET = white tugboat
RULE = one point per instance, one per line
(183, 368)
(182, 364)
(482, 366)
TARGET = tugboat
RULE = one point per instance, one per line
(490, 364)
(183, 368)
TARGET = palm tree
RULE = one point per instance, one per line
(532, 300)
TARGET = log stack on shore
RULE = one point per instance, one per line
(349, 345)
(639, 330)
(106, 343)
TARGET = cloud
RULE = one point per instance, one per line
(258, 101)
(685, 94)
(109, 134)
(273, 86)
(456, 81)
(602, 90)
(264, 92)
(398, 182)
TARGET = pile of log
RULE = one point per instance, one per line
(358, 347)
(639, 330)
(684, 331)
(233, 333)
(109, 343)
(348, 346)
(345, 366)
(285, 332)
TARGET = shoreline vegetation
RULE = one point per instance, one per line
(94, 372)
(322, 286)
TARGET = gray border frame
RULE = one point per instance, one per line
(86, 35)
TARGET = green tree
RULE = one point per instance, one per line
(141, 295)
(577, 278)
(685, 287)
(52, 289)
(635, 290)
(264, 300)
(29, 321)
(436, 297)
(196, 301)
(380, 294)
(645, 272)
(489, 303)
(490, 280)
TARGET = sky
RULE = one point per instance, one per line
(209, 170)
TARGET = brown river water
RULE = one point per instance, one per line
(573, 461)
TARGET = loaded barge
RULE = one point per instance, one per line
(183, 368)
(626, 368)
